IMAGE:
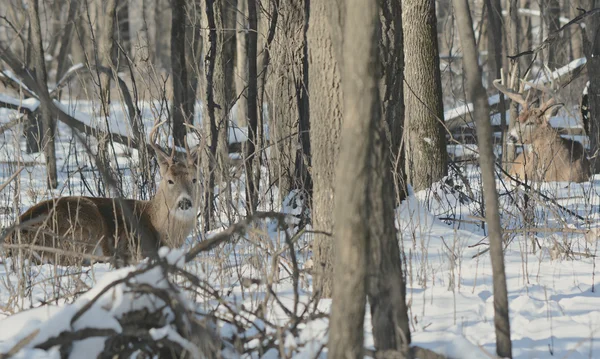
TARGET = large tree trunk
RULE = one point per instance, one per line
(513, 38)
(252, 163)
(219, 88)
(106, 49)
(41, 78)
(425, 137)
(325, 122)
(386, 286)
(392, 90)
(289, 106)
(241, 71)
(494, 33)
(591, 48)
(557, 49)
(181, 96)
(476, 94)
(362, 114)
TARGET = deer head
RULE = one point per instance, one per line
(532, 117)
(179, 188)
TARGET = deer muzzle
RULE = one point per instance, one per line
(184, 204)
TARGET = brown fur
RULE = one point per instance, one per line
(550, 157)
(119, 228)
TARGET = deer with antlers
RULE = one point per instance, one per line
(120, 228)
(549, 157)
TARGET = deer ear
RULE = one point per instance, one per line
(551, 111)
(192, 157)
(163, 163)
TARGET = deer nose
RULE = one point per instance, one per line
(512, 139)
(185, 204)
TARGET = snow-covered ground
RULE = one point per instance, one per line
(554, 306)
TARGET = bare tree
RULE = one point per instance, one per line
(106, 49)
(252, 164)
(425, 138)
(289, 105)
(181, 84)
(386, 286)
(495, 29)
(477, 95)
(362, 113)
(325, 122)
(241, 71)
(513, 38)
(591, 49)
(219, 88)
(41, 78)
(392, 89)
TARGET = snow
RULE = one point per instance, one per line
(554, 305)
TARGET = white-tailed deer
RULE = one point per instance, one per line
(120, 228)
(549, 157)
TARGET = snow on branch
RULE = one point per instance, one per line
(134, 309)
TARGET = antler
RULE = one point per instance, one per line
(162, 154)
(513, 95)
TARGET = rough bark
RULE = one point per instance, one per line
(252, 164)
(241, 71)
(219, 89)
(106, 49)
(65, 43)
(591, 49)
(557, 50)
(41, 78)
(425, 139)
(325, 122)
(181, 85)
(494, 33)
(386, 286)
(392, 90)
(362, 115)
(509, 151)
(476, 94)
(289, 106)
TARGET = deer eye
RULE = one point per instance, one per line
(170, 182)
(194, 180)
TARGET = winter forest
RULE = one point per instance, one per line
(299, 179)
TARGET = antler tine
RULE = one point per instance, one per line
(157, 149)
(515, 96)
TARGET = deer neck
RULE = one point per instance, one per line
(172, 230)
(545, 137)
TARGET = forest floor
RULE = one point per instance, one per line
(554, 305)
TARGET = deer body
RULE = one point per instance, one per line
(115, 227)
(549, 158)
(552, 158)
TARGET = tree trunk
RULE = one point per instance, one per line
(509, 151)
(591, 48)
(219, 89)
(495, 61)
(425, 137)
(252, 163)
(289, 106)
(181, 84)
(392, 58)
(162, 35)
(106, 49)
(65, 43)
(387, 296)
(41, 78)
(557, 49)
(362, 115)
(325, 122)
(241, 78)
(476, 94)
